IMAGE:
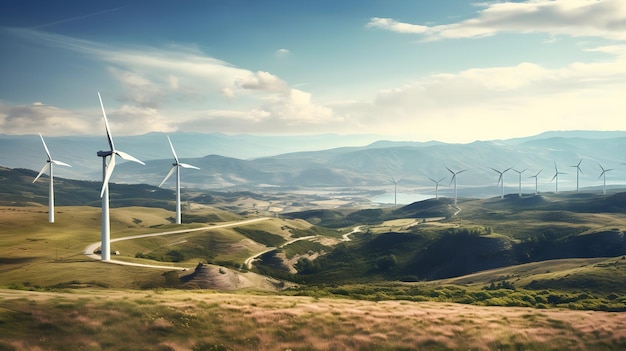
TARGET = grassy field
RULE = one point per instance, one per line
(53, 297)
(35, 253)
(202, 320)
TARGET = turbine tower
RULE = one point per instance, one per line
(556, 176)
(49, 166)
(177, 164)
(436, 186)
(454, 174)
(520, 180)
(536, 183)
(578, 170)
(501, 181)
(107, 170)
(603, 175)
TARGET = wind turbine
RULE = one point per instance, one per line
(501, 181)
(107, 170)
(177, 164)
(454, 174)
(395, 186)
(578, 170)
(436, 186)
(556, 176)
(49, 166)
(520, 180)
(535, 176)
(603, 175)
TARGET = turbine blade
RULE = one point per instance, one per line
(45, 147)
(173, 151)
(127, 157)
(106, 124)
(556, 174)
(450, 170)
(186, 165)
(169, 174)
(43, 170)
(441, 180)
(109, 172)
(60, 163)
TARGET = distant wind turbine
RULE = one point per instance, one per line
(520, 180)
(578, 170)
(177, 164)
(556, 176)
(436, 186)
(107, 170)
(454, 174)
(501, 180)
(536, 182)
(603, 175)
(395, 188)
(49, 166)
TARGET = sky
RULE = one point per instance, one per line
(454, 71)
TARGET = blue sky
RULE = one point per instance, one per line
(453, 71)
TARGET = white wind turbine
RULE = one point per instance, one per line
(578, 170)
(436, 186)
(536, 182)
(556, 176)
(501, 181)
(107, 170)
(520, 180)
(603, 175)
(395, 187)
(50, 166)
(177, 164)
(454, 174)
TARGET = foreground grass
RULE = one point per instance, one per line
(181, 320)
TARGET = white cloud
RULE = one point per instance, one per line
(39, 117)
(576, 18)
(395, 26)
(263, 81)
(512, 101)
(152, 78)
(282, 53)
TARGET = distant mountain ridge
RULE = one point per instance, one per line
(369, 165)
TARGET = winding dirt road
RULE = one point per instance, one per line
(248, 261)
(89, 250)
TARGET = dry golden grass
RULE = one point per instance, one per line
(175, 320)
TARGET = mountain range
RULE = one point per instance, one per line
(264, 162)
